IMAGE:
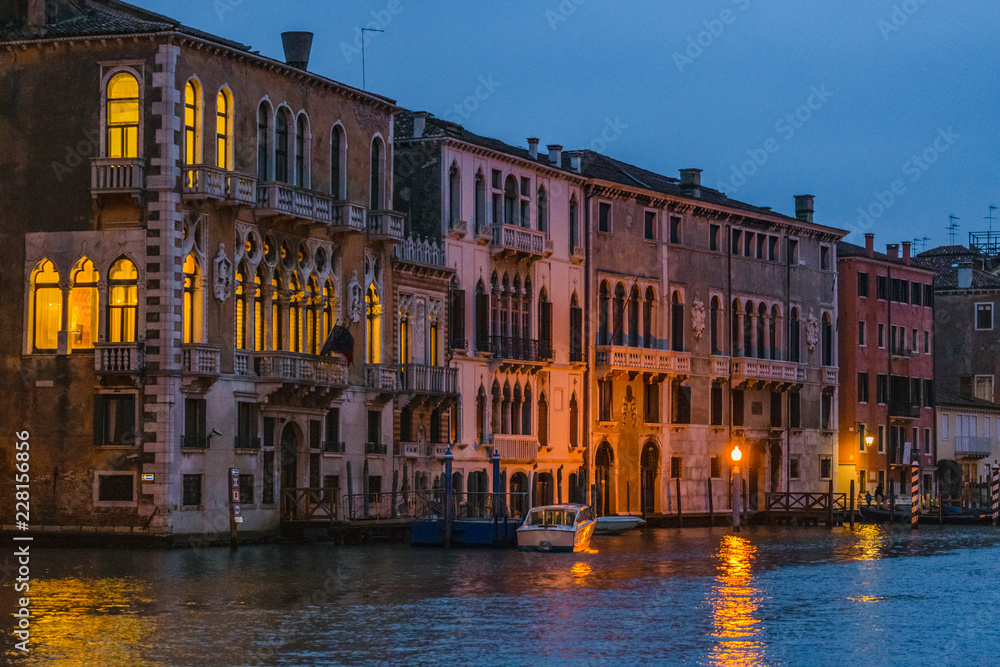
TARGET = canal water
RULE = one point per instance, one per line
(794, 596)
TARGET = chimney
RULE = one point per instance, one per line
(691, 182)
(555, 154)
(576, 164)
(419, 123)
(297, 46)
(804, 207)
(870, 244)
(906, 251)
(533, 147)
(964, 275)
(892, 250)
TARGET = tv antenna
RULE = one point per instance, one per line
(364, 84)
(952, 228)
(990, 216)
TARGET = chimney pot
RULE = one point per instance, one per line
(870, 244)
(419, 123)
(576, 163)
(555, 154)
(691, 182)
(297, 47)
(533, 147)
(804, 207)
(964, 275)
(892, 250)
(906, 251)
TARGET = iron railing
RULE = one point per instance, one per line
(431, 504)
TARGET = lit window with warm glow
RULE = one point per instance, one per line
(295, 314)
(241, 307)
(47, 309)
(192, 123)
(373, 317)
(258, 312)
(433, 358)
(404, 339)
(192, 300)
(223, 130)
(122, 301)
(123, 116)
(276, 287)
(313, 313)
(328, 320)
(83, 306)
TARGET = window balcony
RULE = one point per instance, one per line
(754, 371)
(612, 358)
(333, 446)
(515, 447)
(440, 450)
(205, 182)
(458, 228)
(579, 254)
(199, 359)
(194, 441)
(246, 442)
(720, 366)
(830, 375)
(281, 200)
(117, 176)
(382, 377)
(119, 358)
(971, 446)
(347, 216)
(296, 368)
(375, 448)
(509, 348)
(904, 409)
(422, 379)
(411, 450)
(518, 241)
(385, 225)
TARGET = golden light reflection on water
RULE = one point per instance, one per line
(104, 620)
(582, 570)
(734, 602)
(871, 539)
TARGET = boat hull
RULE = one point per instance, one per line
(616, 525)
(555, 538)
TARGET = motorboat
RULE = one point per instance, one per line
(565, 527)
(616, 525)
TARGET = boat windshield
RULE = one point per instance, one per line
(551, 518)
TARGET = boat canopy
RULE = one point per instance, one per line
(551, 517)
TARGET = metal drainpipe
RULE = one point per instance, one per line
(788, 346)
(589, 348)
(732, 341)
(888, 368)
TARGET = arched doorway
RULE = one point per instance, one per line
(544, 492)
(518, 494)
(649, 466)
(571, 492)
(289, 457)
(602, 478)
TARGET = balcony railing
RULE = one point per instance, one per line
(246, 442)
(296, 367)
(904, 409)
(440, 450)
(458, 228)
(241, 363)
(126, 175)
(194, 441)
(200, 359)
(972, 445)
(241, 188)
(516, 447)
(579, 253)
(119, 357)
(764, 369)
(204, 181)
(720, 366)
(375, 448)
(520, 240)
(333, 446)
(414, 250)
(411, 450)
(520, 349)
(384, 377)
(830, 375)
(347, 216)
(385, 225)
(638, 358)
(429, 379)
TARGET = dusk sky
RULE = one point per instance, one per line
(881, 107)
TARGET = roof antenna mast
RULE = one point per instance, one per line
(364, 84)
(952, 228)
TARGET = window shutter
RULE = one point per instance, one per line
(482, 319)
(457, 320)
(99, 432)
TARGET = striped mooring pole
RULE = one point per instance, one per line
(914, 496)
(996, 494)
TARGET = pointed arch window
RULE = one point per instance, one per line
(314, 306)
(604, 335)
(404, 338)
(480, 414)
(123, 280)
(714, 324)
(223, 130)
(526, 411)
(84, 306)
(241, 308)
(575, 329)
(773, 329)
(827, 335)
(496, 411)
(328, 314)
(505, 411)
(542, 214)
(47, 307)
(301, 146)
(337, 155)
(373, 328)
(295, 313)
(677, 323)
(277, 331)
(574, 422)
(480, 202)
(647, 318)
(192, 122)
(748, 317)
(122, 116)
(377, 187)
(258, 311)
(281, 124)
(515, 411)
(793, 336)
(618, 335)
(761, 331)
(263, 143)
(192, 300)
(574, 224)
(735, 334)
(633, 317)
(543, 421)
(454, 195)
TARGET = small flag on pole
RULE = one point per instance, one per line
(339, 341)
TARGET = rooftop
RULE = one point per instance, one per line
(946, 397)
(845, 249)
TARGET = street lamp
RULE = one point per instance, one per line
(736, 455)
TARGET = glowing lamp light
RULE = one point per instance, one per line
(737, 454)
(869, 439)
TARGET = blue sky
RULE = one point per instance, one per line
(885, 110)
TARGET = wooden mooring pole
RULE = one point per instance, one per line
(852, 504)
(829, 504)
(711, 505)
(680, 520)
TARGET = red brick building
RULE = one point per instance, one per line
(886, 367)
